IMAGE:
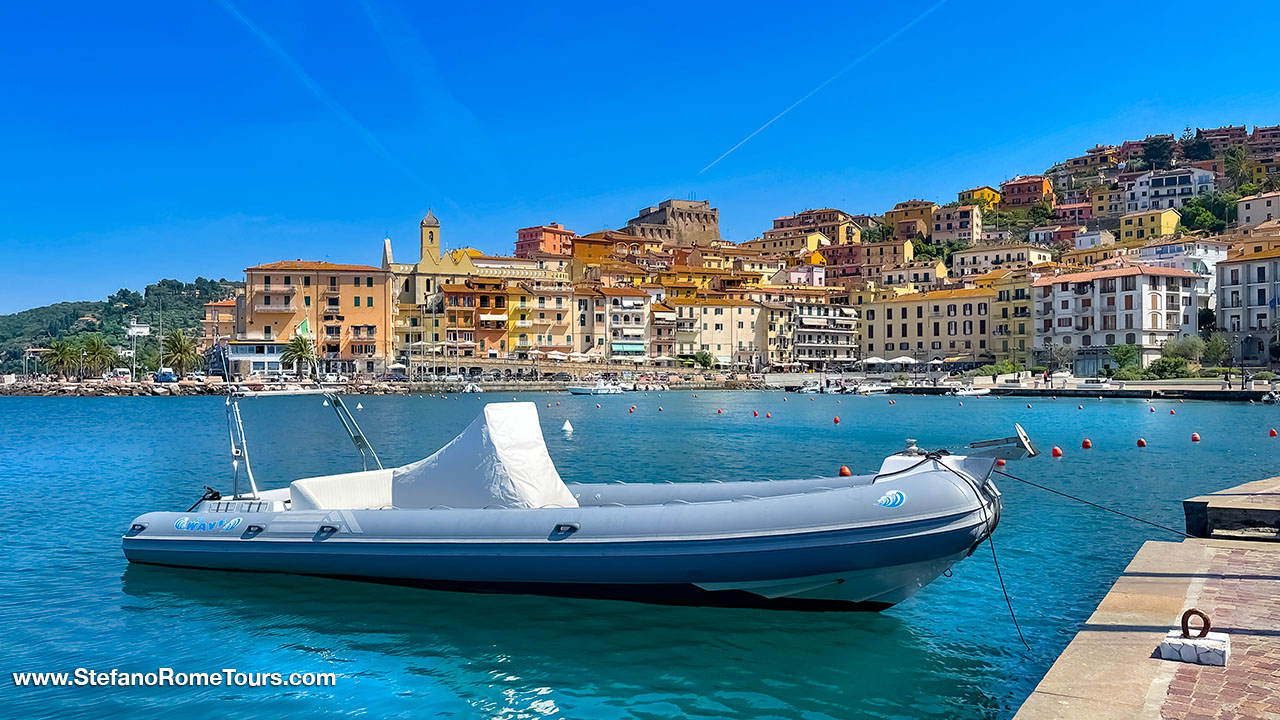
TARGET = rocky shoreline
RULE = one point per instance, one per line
(194, 389)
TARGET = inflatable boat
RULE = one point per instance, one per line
(490, 513)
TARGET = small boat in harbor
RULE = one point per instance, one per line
(489, 512)
(810, 388)
(969, 391)
(871, 388)
(600, 388)
(472, 388)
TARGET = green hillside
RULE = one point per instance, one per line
(183, 305)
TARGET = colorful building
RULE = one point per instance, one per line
(983, 194)
(553, 238)
(957, 224)
(949, 325)
(788, 244)
(911, 218)
(838, 226)
(1024, 191)
(1148, 224)
(985, 258)
(219, 322)
(348, 310)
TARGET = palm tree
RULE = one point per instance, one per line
(97, 354)
(179, 352)
(1272, 183)
(1235, 164)
(61, 357)
(299, 350)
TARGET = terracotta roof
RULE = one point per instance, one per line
(1112, 273)
(622, 292)
(221, 303)
(313, 265)
(1263, 255)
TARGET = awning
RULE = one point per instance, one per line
(627, 347)
(638, 332)
(724, 359)
(493, 318)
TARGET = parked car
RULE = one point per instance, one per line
(333, 378)
(166, 375)
(197, 375)
(394, 377)
(562, 377)
(453, 377)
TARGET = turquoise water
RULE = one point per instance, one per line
(76, 471)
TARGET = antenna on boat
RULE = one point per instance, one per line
(353, 429)
(235, 429)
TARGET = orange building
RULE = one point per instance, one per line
(219, 322)
(1024, 191)
(553, 238)
(475, 318)
(347, 309)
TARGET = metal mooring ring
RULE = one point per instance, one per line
(1186, 623)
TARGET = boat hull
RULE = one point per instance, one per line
(595, 391)
(855, 551)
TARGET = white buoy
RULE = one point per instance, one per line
(359, 406)
(567, 427)
(326, 403)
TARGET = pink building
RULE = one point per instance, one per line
(553, 238)
(813, 275)
(1074, 213)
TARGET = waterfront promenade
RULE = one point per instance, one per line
(1110, 671)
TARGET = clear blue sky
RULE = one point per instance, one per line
(148, 140)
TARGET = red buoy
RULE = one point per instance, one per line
(837, 419)
(597, 404)
(1273, 432)
(557, 403)
(1057, 451)
(810, 399)
(755, 413)
(1171, 412)
(768, 415)
(659, 408)
(632, 411)
(1152, 409)
(999, 461)
(844, 471)
(719, 412)
(1086, 444)
(1142, 443)
(1195, 437)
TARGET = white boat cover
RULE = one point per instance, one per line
(499, 460)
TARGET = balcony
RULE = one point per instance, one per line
(291, 308)
(524, 323)
(332, 291)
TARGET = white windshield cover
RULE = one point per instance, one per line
(499, 460)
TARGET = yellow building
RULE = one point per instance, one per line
(1013, 334)
(1107, 200)
(950, 325)
(219, 322)
(910, 218)
(348, 309)
(1085, 257)
(984, 195)
(1148, 224)
(1260, 169)
(789, 244)
(540, 317)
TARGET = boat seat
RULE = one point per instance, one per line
(368, 490)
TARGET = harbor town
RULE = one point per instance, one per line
(1149, 260)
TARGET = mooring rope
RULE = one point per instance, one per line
(1094, 504)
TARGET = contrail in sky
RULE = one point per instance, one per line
(319, 92)
(828, 81)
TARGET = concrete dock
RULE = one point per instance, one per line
(1111, 670)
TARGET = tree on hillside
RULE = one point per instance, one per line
(1211, 211)
(1124, 355)
(1196, 147)
(1040, 213)
(1236, 165)
(97, 355)
(1158, 152)
(180, 352)
(301, 349)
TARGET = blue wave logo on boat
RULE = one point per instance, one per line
(199, 524)
(892, 499)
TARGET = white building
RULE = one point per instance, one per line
(1042, 235)
(1094, 311)
(1161, 189)
(1197, 256)
(986, 258)
(1248, 289)
(1093, 239)
(1257, 209)
(826, 336)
